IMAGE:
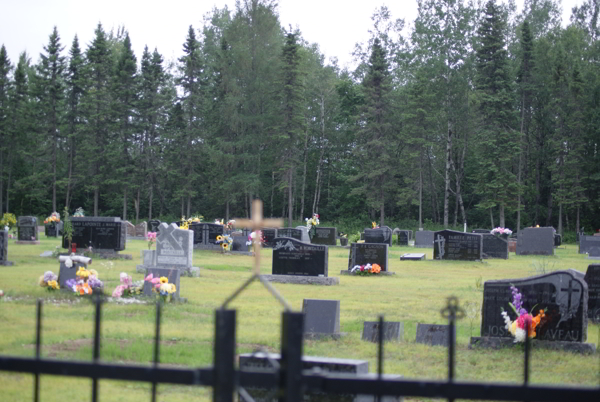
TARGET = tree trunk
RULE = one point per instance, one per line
(1, 181)
(501, 218)
(520, 168)
(435, 213)
(560, 224)
(304, 177)
(537, 191)
(137, 207)
(226, 212)
(54, 171)
(125, 203)
(382, 209)
(272, 190)
(96, 198)
(492, 217)
(70, 174)
(549, 215)
(150, 199)
(447, 175)
(577, 220)
(421, 190)
(182, 207)
(290, 197)
(189, 205)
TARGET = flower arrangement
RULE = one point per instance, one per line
(501, 231)
(230, 224)
(225, 241)
(127, 288)
(524, 319)
(255, 236)
(218, 222)
(311, 225)
(151, 237)
(49, 281)
(366, 270)
(161, 286)
(79, 213)
(53, 218)
(8, 221)
(374, 225)
(86, 282)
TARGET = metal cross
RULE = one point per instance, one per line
(257, 222)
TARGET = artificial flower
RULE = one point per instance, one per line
(164, 279)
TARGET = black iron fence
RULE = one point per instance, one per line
(287, 376)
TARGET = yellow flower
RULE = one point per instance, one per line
(82, 272)
(94, 272)
(513, 328)
(219, 238)
(41, 282)
(225, 246)
(172, 289)
(53, 285)
(164, 279)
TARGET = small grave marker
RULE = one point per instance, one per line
(305, 238)
(424, 239)
(141, 230)
(172, 274)
(494, 246)
(403, 237)
(4, 248)
(588, 242)
(269, 234)
(413, 256)
(434, 335)
(27, 230)
(321, 317)
(392, 331)
(153, 225)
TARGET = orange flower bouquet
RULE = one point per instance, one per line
(366, 270)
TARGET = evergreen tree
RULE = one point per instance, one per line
(5, 84)
(498, 141)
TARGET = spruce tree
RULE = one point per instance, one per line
(5, 84)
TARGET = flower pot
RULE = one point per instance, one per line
(343, 241)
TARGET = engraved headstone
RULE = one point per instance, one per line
(564, 295)
(321, 317)
(592, 278)
(594, 253)
(174, 247)
(99, 233)
(4, 248)
(494, 246)
(536, 241)
(206, 233)
(368, 253)
(453, 245)
(172, 274)
(409, 232)
(53, 229)
(268, 235)
(292, 257)
(65, 273)
(587, 242)
(141, 230)
(323, 235)
(424, 238)
(379, 235)
(305, 237)
(392, 331)
(27, 228)
(290, 232)
(153, 225)
(434, 335)
(403, 237)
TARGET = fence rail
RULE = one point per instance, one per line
(288, 378)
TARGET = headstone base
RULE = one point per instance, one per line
(319, 336)
(498, 343)
(382, 273)
(6, 263)
(413, 256)
(193, 272)
(303, 280)
(216, 247)
(30, 242)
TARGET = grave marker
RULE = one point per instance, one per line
(403, 237)
(494, 246)
(587, 242)
(4, 248)
(305, 238)
(174, 247)
(172, 274)
(323, 235)
(453, 245)
(27, 230)
(321, 317)
(130, 229)
(292, 257)
(434, 335)
(290, 232)
(103, 234)
(141, 230)
(269, 234)
(392, 331)
(368, 253)
(592, 278)
(536, 241)
(424, 239)
(205, 234)
(153, 225)
(379, 235)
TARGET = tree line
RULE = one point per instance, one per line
(475, 114)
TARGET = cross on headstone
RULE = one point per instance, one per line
(571, 290)
(257, 222)
(441, 241)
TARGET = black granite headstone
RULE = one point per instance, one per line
(587, 242)
(28, 228)
(403, 237)
(290, 232)
(592, 278)
(453, 245)
(321, 316)
(434, 335)
(392, 331)
(424, 238)
(206, 233)
(494, 246)
(379, 235)
(268, 235)
(100, 233)
(368, 253)
(153, 225)
(172, 274)
(557, 240)
(564, 295)
(4, 248)
(51, 229)
(292, 257)
(326, 236)
(536, 241)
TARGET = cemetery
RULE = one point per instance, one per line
(341, 324)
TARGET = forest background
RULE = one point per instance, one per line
(479, 114)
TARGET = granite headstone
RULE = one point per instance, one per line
(172, 274)
(494, 246)
(323, 235)
(290, 232)
(424, 238)
(174, 247)
(432, 334)
(368, 253)
(392, 331)
(65, 273)
(4, 248)
(536, 241)
(268, 235)
(592, 278)
(453, 245)
(98, 232)
(587, 242)
(292, 257)
(403, 237)
(379, 235)
(27, 228)
(141, 230)
(153, 225)
(321, 317)
(305, 237)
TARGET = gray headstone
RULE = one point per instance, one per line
(292, 257)
(368, 253)
(482, 231)
(592, 278)
(564, 295)
(290, 232)
(323, 235)
(206, 233)
(149, 258)
(27, 228)
(65, 273)
(434, 335)
(594, 252)
(141, 229)
(587, 242)
(172, 275)
(305, 237)
(174, 247)
(392, 331)
(453, 245)
(4, 248)
(494, 246)
(424, 239)
(536, 241)
(321, 317)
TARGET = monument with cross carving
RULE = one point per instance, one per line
(453, 245)
(562, 294)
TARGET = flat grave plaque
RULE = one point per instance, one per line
(413, 256)
(172, 274)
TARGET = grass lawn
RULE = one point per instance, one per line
(416, 294)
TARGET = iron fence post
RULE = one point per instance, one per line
(292, 333)
(224, 356)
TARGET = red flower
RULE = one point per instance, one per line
(362, 268)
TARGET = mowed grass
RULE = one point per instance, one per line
(416, 294)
